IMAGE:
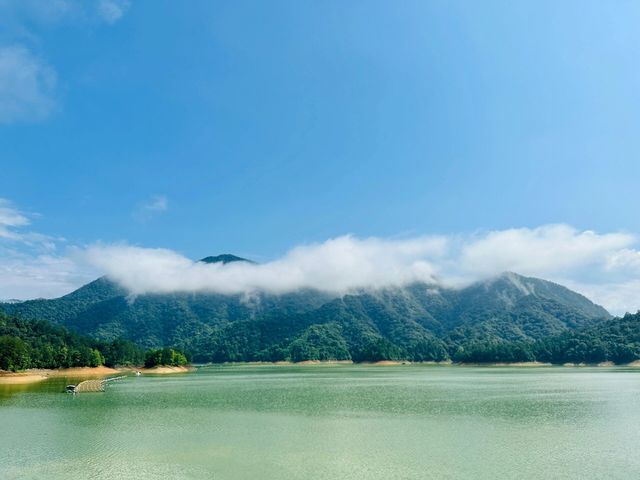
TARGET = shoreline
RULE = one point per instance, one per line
(507, 364)
(446, 363)
(20, 378)
(164, 370)
(38, 375)
(35, 375)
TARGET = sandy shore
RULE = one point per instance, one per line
(20, 378)
(165, 370)
(387, 363)
(83, 372)
(635, 363)
(506, 364)
(283, 363)
(38, 375)
(321, 362)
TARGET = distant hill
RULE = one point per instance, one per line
(616, 340)
(417, 322)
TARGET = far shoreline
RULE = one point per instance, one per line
(391, 363)
(38, 375)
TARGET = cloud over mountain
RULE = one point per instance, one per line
(337, 265)
(585, 260)
(603, 266)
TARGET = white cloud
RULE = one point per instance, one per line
(29, 265)
(15, 14)
(10, 218)
(546, 250)
(157, 203)
(337, 265)
(27, 82)
(24, 275)
(27, 85)
(12, 222)
(150, 208)
(112, 10)
(603, 266)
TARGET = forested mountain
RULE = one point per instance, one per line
(418, 322)
(616, 340)
(41, 344)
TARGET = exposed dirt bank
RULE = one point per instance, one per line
(507, 364)
(20, 378)
(162, 370)
(39, 374)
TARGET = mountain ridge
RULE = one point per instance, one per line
(419, 321)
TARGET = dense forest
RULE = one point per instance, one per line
(165, 356)
(40, 344)
(509, 318)
(616, 340)
(418, 322)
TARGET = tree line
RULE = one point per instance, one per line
(39, 344)
(616, 340)
(28, 344)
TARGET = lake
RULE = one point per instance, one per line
(330, 422)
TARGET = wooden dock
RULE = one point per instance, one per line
(95, 385)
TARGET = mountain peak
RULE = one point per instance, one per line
(510, 287)
(224, 258)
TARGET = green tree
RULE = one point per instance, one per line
(14, 353)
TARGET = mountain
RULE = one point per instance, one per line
(417, 322)
(616, 340)
(224, 258)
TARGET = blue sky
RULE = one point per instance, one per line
(253, 127)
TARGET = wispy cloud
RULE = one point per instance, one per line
(28, 275)
(150, 208)
(10, 219)
(28, 81)
(546, 250)
(27, 85)
(30, 263)
(12, 229)
(51, 12)
(112, 10)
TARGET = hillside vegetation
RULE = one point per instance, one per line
(508, 318)
(28, 344)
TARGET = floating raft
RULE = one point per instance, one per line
(92, 385)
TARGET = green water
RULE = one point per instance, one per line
(330, 422)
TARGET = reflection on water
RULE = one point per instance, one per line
(330, 422)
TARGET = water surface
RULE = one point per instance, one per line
(330, 422)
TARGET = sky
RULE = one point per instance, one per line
(345, 143)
